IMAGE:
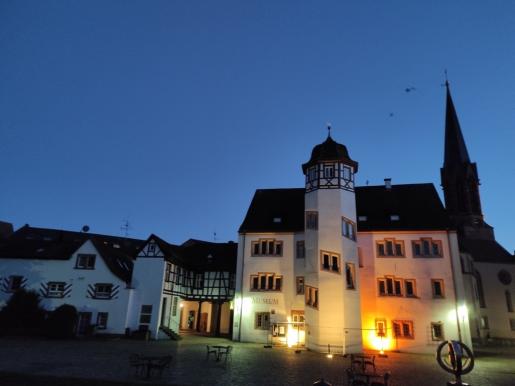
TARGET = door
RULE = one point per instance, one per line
(163, 313)
(83, 323)
(203, 322)
(191, 320)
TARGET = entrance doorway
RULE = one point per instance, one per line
(191, 320)
(83, 323)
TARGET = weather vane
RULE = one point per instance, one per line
(328, 129)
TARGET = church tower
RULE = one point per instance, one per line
(332, 312)
(460, 180)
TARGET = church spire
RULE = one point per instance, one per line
(455, 149)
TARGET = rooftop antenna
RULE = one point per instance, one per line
(214, 236)
(125, 228)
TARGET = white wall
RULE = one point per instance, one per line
(40, 272)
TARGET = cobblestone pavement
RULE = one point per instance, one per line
(251, 364)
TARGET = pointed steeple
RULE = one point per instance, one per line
(455, 149)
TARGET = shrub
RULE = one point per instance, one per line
(22, 314)
(61, 322)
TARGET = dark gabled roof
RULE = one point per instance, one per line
(54, 244)
(200, 255)
(208, 256)
(486, 251)
(286, 205)
(329, 150)
(417, 205)
(455, 149)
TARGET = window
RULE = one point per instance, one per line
(311, 296)
(15, 283)
(350, 275)
(175, 303)
(328, 171)
(394, 217)
(301, 249)
(362, 218)
(265, 281)
(267, 247)
(381, 327)
(403, 329)
(437, 331)
(347, 173)
(410, 288)
(55, 289)
(300, 285)
(312, 174)
(512, 324)
(102, 320)
(262, 321)
(103, 291)
(297, 316)
(390, 248)
(438, 290)
(330, 261)
(312, 220)
(199, 280)
(509, 304)
(484, 323)
(427, 247)
(152, 247)
(390, 286)
(145, 315)
(85, 261)
(348, 229)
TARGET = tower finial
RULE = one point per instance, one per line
(446, 79)
(328, 129)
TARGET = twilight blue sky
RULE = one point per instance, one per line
(171, 113)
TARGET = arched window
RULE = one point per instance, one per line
(481, 293)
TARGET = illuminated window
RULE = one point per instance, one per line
(437, 331)
(427, 247)
(312, 220)
(262, 321)
(265, 282)
(348, 228)
(390, 248)
(410, 288)
(381, 327)
(350, 276)
(301, 250)
(300, 285)
(403, 329)
(438, 289)
(267, 247)
(311, 296)
(330, 261)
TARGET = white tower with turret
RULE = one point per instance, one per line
(332, 313)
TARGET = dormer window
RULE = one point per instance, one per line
(277, 220)
(15, 283)
(362, 218)
(85, 261)
(395, 217)
(152, 247)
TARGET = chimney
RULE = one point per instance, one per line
(388, 183)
